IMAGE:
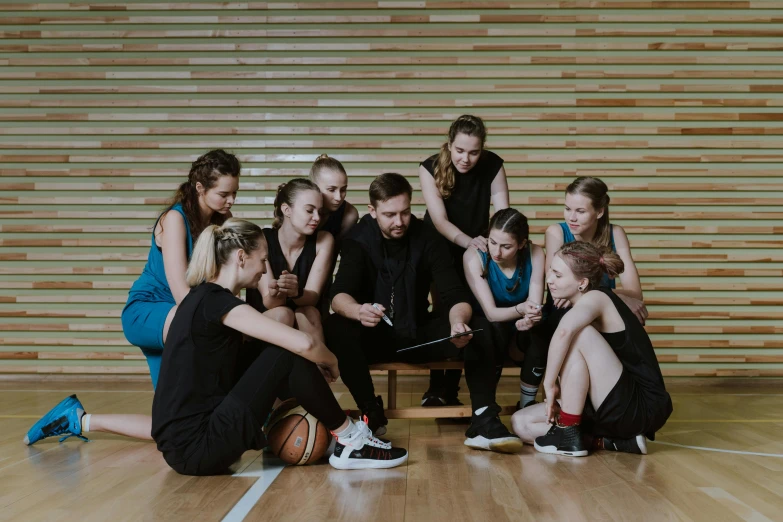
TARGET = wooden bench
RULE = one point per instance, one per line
(417, 412)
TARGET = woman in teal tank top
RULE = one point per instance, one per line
(204, 199)
(586, 215)
(508, 282)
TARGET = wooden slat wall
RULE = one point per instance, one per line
(677, 105)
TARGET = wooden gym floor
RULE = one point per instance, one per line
(720, 458)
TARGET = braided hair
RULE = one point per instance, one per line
(216, 244)
(510, 221)
(205, 170)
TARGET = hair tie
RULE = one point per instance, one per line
(601, 260)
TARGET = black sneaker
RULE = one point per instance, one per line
(363, 451)
(636, 445)
(431, 400)
(562, 440)
(486, 432)
(373, 415)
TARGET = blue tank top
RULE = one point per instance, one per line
(501, 286)
(568, 237)
(152, 285)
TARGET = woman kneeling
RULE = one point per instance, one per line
(214, 393)
(611, 389)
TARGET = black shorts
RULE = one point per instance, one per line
(626, 412)
(231, 430)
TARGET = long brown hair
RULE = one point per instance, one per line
(598, 193)
(591, 261)
(286, 193)
(445, 173)
(510, 221)
(205, 170)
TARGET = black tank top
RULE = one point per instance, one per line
(334, 222)
(302, 266)
(616, 340)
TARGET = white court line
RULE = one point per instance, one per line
(266, 468)
(718, 450)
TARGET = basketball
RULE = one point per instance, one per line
(295, 436)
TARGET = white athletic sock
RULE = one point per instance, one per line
(527, 394)
(347, 431)
(86, 422)
(481, 410)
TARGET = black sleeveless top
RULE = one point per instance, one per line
(302, 266)
(468, 206)
(334, 222)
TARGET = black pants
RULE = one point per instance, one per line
(235, 424)
(534, 343)
(357, 346)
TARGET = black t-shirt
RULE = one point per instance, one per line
(357, 274)
(468, 205)
(198, 367)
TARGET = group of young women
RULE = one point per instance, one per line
(218, 363)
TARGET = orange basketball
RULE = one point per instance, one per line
(295, 436)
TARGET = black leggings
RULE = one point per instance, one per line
(235, 424)
(534, 343)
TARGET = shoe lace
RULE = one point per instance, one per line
(367, 434)
(62, 427)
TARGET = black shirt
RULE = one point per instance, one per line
(468, 205)
(334, 223)
(357, 274)
(198, 367)
(278, 262)
(637, 356)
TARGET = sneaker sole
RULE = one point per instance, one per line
(338, 463)
(552, 450)
(641, 441)
(504, 445)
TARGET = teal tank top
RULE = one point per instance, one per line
(152, 285)
(568, 237)
(501, 286)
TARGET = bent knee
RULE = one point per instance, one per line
(310, 313)
(282, 314)
(586, 336)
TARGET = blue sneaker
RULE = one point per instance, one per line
(63, 419)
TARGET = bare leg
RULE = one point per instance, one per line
(530, 423)
(282, 314)
(129, 425)
(308, 320)
(603, 366)
(591, 367)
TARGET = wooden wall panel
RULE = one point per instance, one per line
(677, 105)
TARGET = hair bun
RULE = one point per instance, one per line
(322, 157)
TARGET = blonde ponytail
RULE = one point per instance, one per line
(202, 266)
(215, 246)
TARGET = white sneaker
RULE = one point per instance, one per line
(361, 450)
